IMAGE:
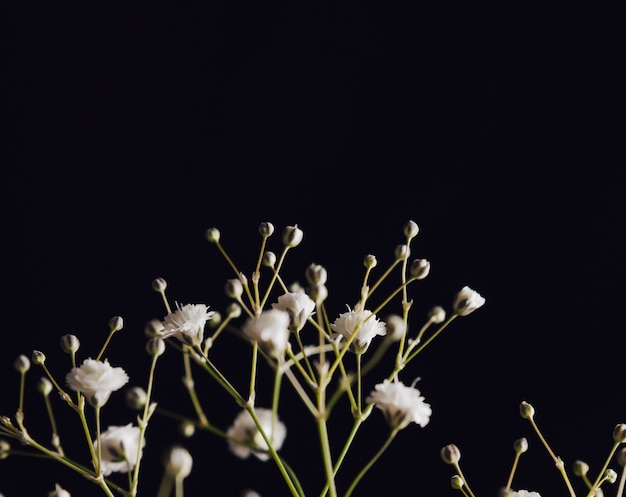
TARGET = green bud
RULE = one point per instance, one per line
(457, 482)
(580, 468)
(370, 261)
(233, 288)
(136, 398)
(411, 229)
(269, 259)
(520, 445)
(187, 429)
(233, 310)
(5, 449)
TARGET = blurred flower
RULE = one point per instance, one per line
(120, 445)
(525, 493)
(252, 442)
(365, 323)
(400, 404)
(59, 492)
(96, 380)
(187, 323)
(178, 462)
(270, 329)
(298, 305)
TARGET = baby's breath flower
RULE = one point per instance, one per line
(400, 404)
(155, 346)
(266, 229)
(38, 357)
(22, 363)
(580, 468)
(401, 252)
(619, 433)
(370, 261)
(292, 236)
(525, 493)
(411, 229)
(233, 310)
(69, 343)
(187, 323)
(467, 301)
(159, 285)
(364, 323)
(5, 449)
(153, 328)
(44, 386)
(457, 482)
(96, 380)
(59, 492)
(178, 462)
(526, 410)
(450, 454)
(120, 445)
(270, 330)
(318, 292)
(233, 288)
(269, 258)
(246, 439)
(298, 305)
(520, 445)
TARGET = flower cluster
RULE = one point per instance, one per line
(289, 339)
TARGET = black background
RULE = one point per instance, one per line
(499, 131)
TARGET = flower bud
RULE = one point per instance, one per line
(153, 328)
(420, 268)
(159, 285)
(619, 433)
(233, 310)
(269, 259)
(316, 274)
(411, 229)
(5, 449)
(520, 445)
(136, 398)
(233, 288)
(526, 410)
(116, 323)
(457, 482)
(38, 357)
(215, 320)
(44, 386)
(610, 475)
(212, 235)
(401, 252)
(580, 468)
(178, 462)
(437, 314)
(450, 454)
(292, 236)
(621, 457)
(318, 293)
(69, 343)
(187, 428)
(22, 364)
(467, 301)
(266, 229)
(370, 261)
(395, 326)
(155, 346)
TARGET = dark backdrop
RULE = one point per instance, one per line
(134, 129)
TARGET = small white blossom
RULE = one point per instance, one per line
(187, 323)
(368, 327)
(400, 404)
(270, 330)
(525, 493)
(96, 380)
(298, 305)
(467, 301)
(120, 445)
(245, 431)
(59, 492)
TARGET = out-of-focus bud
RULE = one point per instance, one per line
(520, 445)
(178, 462)
(187, 429)
(159, 285)
(116, 323)
(136, 398)
(22, 363)
(318, 293)
(457, 482)
(411, 229)
(316, 274)
(69, 343)
(44, 386)
(401, 252)
(450, 454)
(370, 261)
(5, 449)
(506, 492)
(292, 236)
(59, 492)
(155, 346)
(437, 314)
(580, 468)
(395, 326)
(212, 235)
(526, 410)
(621, 457)
(249, 493)
(266, 229)
(233, 310)
(619, 433)
(215, 320)
(233, 288)
(420, 268)
(38, 357)
(269, 259)
(154, 328)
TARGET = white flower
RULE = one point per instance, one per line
(187, 323)
(467, 301)
(368, 327)
(245, 431)
(59, 492)
(270, 329)
(120, 445)
(525, 493)
(96, 380)
(298, 305)
(400, 404)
